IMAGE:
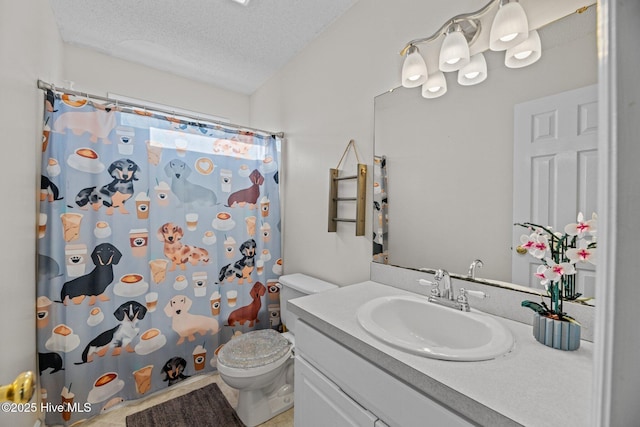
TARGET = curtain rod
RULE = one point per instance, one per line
(48, 86)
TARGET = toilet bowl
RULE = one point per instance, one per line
(259, 364)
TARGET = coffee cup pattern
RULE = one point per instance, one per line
(215, 301)
(62, 339)
(142, 378)
(104, 387)
(144, 273)
(150, 340)
(158, 269)
(199, 280)
(96, 316)
(139, 240)
(43, 308)
(143, 203)
(199, 357)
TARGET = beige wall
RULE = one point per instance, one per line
(99, 74)
(30, 49)
(322, 99)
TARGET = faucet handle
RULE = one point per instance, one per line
(464, 301)
(435, 288)
(476, 294)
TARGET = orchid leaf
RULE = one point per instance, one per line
(535, 307)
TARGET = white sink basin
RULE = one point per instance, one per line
(415, 325)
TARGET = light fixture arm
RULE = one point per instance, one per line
(458, 19)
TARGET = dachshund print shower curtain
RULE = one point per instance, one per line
(159, 240)
(380, 209)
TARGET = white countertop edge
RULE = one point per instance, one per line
(503, 391)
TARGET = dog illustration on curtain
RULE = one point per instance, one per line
(187, 324)
(173, 370)
(242, 268)
(248, 195)
(114, 194)
(98, 123)
(128, 314)
(51, 361)
(186, 191)
(52, 191)
(249, 313)
(94, 284)
(178, 253)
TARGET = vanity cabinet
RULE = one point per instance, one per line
(321, 403)
(334, 386)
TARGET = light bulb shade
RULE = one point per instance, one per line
(475, 72)
(435, 86)
(526, 53)
(510, 27)
(414, 69)
(454, 52)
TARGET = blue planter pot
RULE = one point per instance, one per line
(558, 334)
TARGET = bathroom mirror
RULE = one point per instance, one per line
(449, 160)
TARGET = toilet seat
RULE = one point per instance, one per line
(254, 353)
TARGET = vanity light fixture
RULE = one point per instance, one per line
(526, 53)
(414, 69)
(454, 53)
(510, 26)
(475, 72)
(435, 86)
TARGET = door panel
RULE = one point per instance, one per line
(555, 171)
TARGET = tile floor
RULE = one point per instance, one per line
(116, 417)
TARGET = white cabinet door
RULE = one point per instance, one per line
(390, 399)
(320, 403)
(554, 172)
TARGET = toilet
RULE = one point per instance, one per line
(259, 364)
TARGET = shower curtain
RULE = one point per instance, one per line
(159, 241)
(380, 209)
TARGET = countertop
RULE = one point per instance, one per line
(532, 385)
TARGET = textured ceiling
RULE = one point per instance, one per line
(215, 41)
(226, 44)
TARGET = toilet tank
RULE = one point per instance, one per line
(298, 285)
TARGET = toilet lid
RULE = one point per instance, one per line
(253, 349)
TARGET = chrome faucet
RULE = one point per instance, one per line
(477, 263)
(446, 296)
(447, 292)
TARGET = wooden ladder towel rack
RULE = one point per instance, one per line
(360, 198)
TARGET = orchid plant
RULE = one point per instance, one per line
(559, 253)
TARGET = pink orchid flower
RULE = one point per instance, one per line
(541, 274)
(582, 227)
(528, 241)
(555, 271)
(539, 245)
(582, 253)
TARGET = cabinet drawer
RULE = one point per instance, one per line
(320, 403)
(394, 402)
